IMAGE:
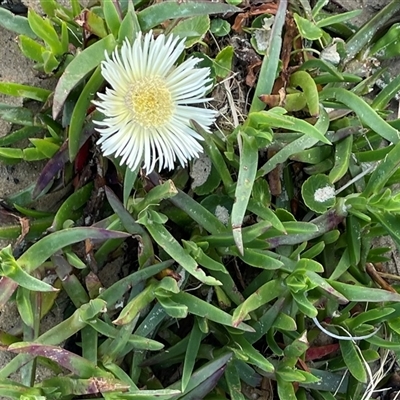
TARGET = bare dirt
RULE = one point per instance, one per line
(14, 67)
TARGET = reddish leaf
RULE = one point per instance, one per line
(56, 164)
(316, 353)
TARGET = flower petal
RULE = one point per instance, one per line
(143, 75)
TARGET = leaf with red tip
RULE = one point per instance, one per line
(72, 362)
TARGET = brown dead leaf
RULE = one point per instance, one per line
(24, 222)
(271, 100)
(240, 20)
(168, 272)
(93, 285)
(282, 96)
(287, 47)
(6, 216)
(303, 365)
(89, 256)
(377, 278)
(251, 76)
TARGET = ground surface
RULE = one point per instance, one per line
(15, 68)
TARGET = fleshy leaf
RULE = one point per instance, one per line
(318, 193)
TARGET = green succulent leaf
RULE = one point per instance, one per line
(219, 27)
(11, 269)
(223, 62)
(308, 30)
(247, 174)
(193, 29)
(79, 67)
(16, 23)
(157, 13)
(318, 193)
(44, 29)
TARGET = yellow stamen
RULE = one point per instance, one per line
(151, 102)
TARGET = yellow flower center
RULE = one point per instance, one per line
(151, 102)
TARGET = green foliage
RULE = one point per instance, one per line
(307, 29)
(192, 29)
(226, 284)
(318, 193)
(219, 27)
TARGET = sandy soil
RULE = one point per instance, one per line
(14, 67)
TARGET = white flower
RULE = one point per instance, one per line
(150, 103)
